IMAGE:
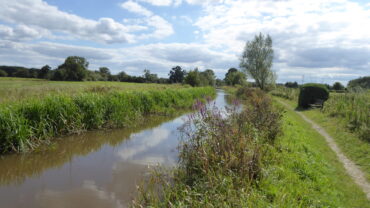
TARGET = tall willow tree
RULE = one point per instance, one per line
(257, 59)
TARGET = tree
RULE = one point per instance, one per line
(234, 77)
(44, 72)
(74, 68)
(3, 73)
(338, 86)
(193, 78)
(149, 77)
(122, 76)
(207, 77)
(177, 75)
(105, 73)
(291, 84)
(257, 59)
(362, 82)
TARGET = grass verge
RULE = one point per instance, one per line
(349, 142)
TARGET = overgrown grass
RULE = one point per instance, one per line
(354, 108)
(25, 124)
(285, 92)
(238, 161)
(14, 89)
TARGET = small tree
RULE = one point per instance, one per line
(105, 73)
(257, 59)
(193, 78)
(207, 77)
(44, 72)
(234, 77)
(149, 77)
(177, 75)
(338, 86)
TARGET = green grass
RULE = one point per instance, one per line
(358, 150)
(235, 163)
(26, 123)
(14, 89)
(307, 173)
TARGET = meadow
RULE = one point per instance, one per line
(14, 89)
(263, 156)
(53, 109)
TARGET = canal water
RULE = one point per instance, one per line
(95, 169)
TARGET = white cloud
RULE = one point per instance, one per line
(37, 13)
(162, 28)
(136, 8)
(158, 2)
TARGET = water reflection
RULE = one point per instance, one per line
(96, 169)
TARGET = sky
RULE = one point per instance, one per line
(320, 41)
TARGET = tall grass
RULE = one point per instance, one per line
(285, 92)
(354, 108)
(25, 124)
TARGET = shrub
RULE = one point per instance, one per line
(311, 93)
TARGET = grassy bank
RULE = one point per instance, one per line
(349, 142)
(255, 158)
(27, 123)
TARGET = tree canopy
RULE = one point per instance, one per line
(177, 75)
(234, 77)
(257, 59)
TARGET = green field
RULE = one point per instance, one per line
(13, 89)
(52, 109)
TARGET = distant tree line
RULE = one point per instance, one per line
(75, 68)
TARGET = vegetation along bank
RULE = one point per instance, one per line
(260, 157)
(27, 123)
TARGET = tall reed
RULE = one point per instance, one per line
(354, 108)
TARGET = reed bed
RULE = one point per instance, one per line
(354, 108)
(27, 123)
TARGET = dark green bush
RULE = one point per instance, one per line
(312, 93)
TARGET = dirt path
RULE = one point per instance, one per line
(352, 169)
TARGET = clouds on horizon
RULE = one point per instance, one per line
(325, 40)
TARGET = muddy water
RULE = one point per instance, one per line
(96, 169)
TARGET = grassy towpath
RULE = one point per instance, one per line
(351, 168)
